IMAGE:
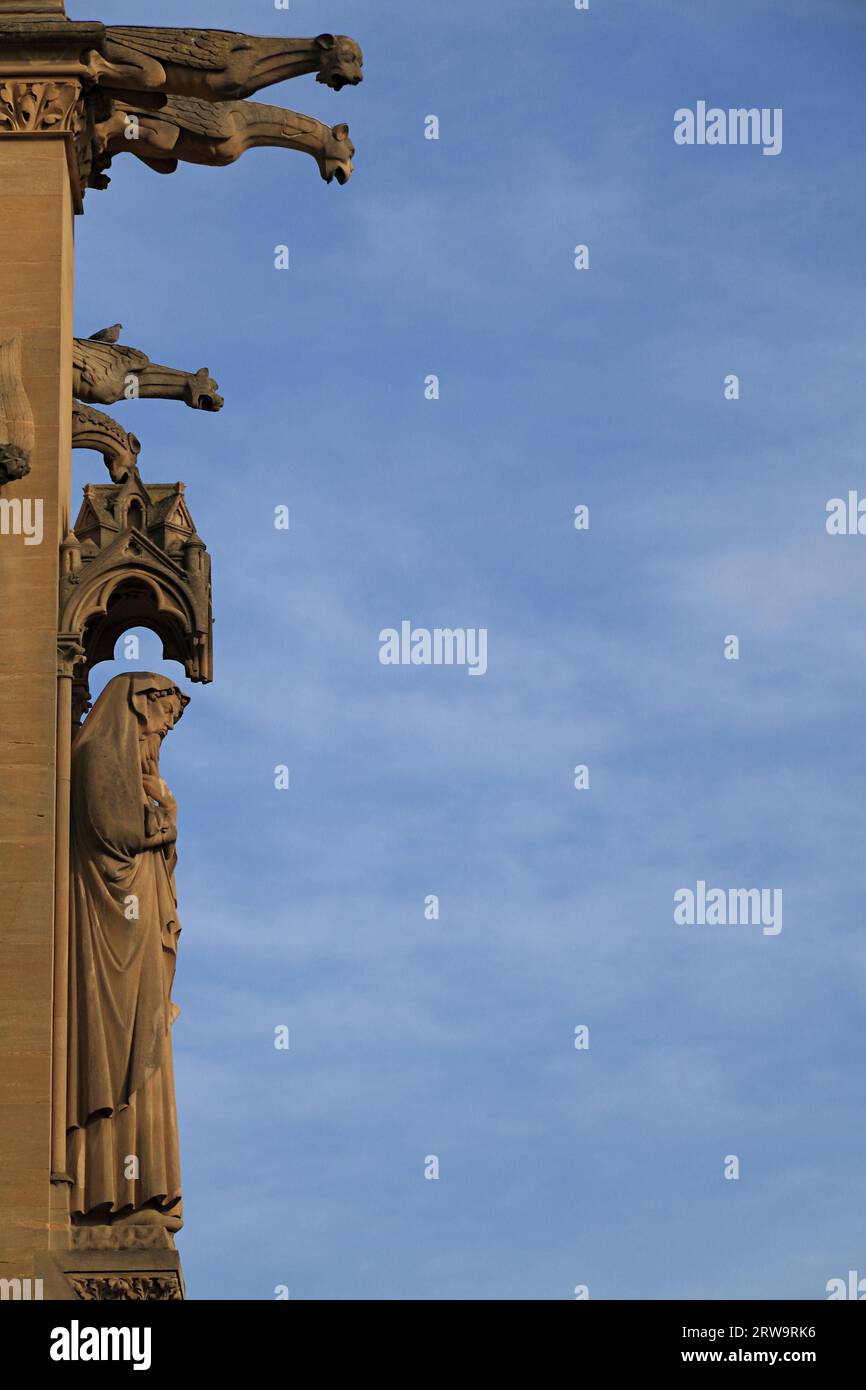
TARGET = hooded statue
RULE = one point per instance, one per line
(122, 1144)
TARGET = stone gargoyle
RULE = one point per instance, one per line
(217, 64)
(216, 133)
(103, 373)
(92, 429)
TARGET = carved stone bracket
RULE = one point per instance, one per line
(92, 429)
(70, 652)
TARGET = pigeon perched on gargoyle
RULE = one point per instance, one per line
(107, 335)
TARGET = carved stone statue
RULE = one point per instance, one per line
(216, 64)
(93, 429)
(216, 133)
(17, 430)
(122, 1144)
(102, 371)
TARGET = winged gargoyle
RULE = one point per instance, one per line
(102, 373)
(217, 64)
(91, 429)
(216, 133)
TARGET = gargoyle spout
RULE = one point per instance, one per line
(330, 146)
(103, 373)
(217, 64)
(217, 133)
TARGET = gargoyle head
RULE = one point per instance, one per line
(342, 61)
(335, 161)
(202, 392)
(14, 463)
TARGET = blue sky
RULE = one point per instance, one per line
(306, 908)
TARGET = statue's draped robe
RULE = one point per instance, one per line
(121, 1081)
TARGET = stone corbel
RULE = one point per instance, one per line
(93, 429)
(70, 652)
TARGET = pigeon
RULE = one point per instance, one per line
(106, 335)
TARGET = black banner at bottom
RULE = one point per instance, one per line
(88, 1338)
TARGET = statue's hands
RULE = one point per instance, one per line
(160, 821)
(157, 790)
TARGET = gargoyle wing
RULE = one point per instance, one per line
(208, 49)
(208, 118)
(99, 361)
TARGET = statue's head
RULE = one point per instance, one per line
(158, 704)
(342, 62)
(162, 708)
(335, 160)
(122, 735)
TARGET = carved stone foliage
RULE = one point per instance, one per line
(103, 373)
(135, 559)
(218, 64)
(70, 652)
(17, 429)
(93, 429)
(26, 107)
(216, 133)
(125, 1287)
